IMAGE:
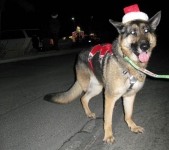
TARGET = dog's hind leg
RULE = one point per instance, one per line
(128, 102)
(94, 89)
(90, 86)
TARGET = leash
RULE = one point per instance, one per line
(146, 71)
(103, 49)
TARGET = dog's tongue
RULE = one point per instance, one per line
(143, 57)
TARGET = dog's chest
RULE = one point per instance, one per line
(119, 75)
(136, 87)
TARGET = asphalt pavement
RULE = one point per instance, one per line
(28, 123)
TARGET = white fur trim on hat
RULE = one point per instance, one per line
(54, 16)
(134, 16)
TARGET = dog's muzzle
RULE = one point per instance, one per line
(140, 49)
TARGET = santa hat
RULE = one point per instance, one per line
(54, 15)
(133, 13)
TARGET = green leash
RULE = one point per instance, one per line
(146, 71)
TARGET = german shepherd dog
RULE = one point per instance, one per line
(104, 67)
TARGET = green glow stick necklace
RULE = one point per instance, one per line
(146, 71)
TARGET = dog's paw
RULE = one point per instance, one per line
(109, 139)
(92, 115)
(137, 129)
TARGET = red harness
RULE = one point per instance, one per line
(103, 49)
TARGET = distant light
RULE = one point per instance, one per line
(91, 34)
(73, 18)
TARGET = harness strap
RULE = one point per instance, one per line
(132, 79)
(103, 49)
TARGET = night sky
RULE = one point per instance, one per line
(15, 17)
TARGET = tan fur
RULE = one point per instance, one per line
(110, 75)
(69, 95)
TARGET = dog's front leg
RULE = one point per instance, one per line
(128, 102)
(108, 113)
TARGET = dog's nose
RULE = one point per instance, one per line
(144, 45)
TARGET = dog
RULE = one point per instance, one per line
(103, 68)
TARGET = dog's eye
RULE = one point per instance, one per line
(133, 32)
(146, 30)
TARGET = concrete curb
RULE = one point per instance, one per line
(41, 54)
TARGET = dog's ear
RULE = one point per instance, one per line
(155, 20)
(118, 25)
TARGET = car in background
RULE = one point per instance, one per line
(19, 42)
(64, 42)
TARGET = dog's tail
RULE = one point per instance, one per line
(65, 97)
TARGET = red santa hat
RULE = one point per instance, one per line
(133, 13)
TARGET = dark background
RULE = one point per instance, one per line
(14, 16)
